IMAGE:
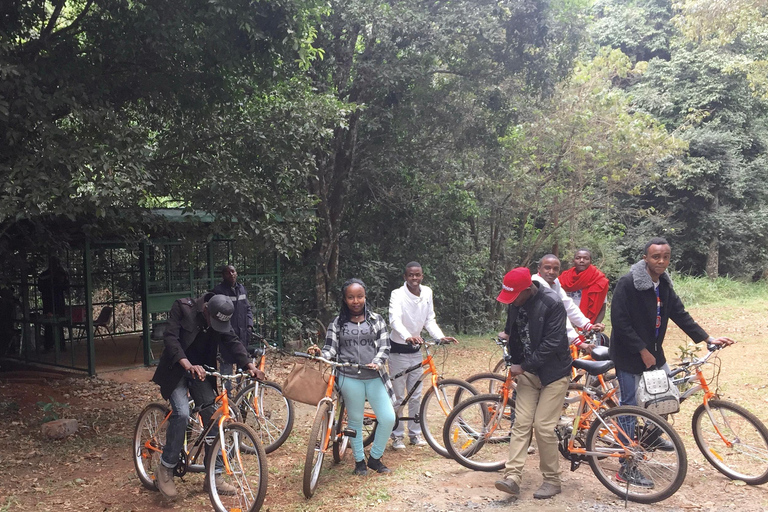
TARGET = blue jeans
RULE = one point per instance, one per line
(628, 383)
(355, 392)
(204, 395)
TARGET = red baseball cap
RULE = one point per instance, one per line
(515, 281)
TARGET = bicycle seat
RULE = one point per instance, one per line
(600, 354)
(593, 367)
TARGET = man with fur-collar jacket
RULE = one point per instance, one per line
(643, 303)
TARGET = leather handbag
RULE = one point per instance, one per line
(657, 393)
(306, 383)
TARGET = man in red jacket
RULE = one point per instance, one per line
(586, 286)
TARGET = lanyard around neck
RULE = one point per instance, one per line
(658, 310)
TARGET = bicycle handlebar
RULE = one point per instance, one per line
(212, 372)
(698, 361)
(329, 361)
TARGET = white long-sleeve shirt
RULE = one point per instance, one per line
(575, 316)
(409, 314)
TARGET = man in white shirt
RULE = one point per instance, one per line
(549, 269)
(411, 310)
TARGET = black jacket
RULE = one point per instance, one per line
(242, 318)
(633, 318)
(550, 357)
(185, 324)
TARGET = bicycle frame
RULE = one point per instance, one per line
(701, 385)
(221, 414)
(428, 363)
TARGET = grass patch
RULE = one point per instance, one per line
(700, 291)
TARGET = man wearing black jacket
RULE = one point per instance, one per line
(197, 328)
(644, 302)
(538, 345)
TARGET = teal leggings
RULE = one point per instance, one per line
(355, 392)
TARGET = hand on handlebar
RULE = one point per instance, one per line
(255, 372)
(196, 371)
(373, 366)
(414, 340)
(503, 336)
(722, 341)
(449, 339)
(314, 350)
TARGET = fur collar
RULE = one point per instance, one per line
(642, 279)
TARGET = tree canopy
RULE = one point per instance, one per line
(355, 135)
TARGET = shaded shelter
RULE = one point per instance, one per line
(121, 284)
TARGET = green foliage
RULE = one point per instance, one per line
(697, 291)
(109, 108)
(51, 410)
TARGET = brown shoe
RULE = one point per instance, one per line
(508, 486)
(222, 486)
(546, 491)
(164, 482)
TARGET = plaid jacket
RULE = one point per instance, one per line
(376, 321)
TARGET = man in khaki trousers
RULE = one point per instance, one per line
(538, 346)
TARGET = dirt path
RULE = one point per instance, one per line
(92, 470)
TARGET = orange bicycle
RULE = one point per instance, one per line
(262, 405)
(730, 437)
(328, 428)
(236, 454)
(620, 443)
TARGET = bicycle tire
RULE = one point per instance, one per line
(747, 457)
(270, 414)
(484, 382)
(340, 441)
(500, 367)
(649, 475)
(432, 413)
(313, 463)
(245, 470)
(475, 436)
(150, 428)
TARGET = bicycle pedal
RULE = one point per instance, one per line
(575, 465)
(350, 432)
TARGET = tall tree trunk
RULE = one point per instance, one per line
(713, 250)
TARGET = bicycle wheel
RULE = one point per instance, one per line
(265, 409)
(237, 477)
(148, 442)
(477, 432)
(340, 441)
(500, 367)
(435, 408)
(646, 474)
(486, 382)
(314, 461)
(733, 440)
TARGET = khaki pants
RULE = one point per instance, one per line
(536, 408)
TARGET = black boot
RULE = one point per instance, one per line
(377, 465)
(360, 468)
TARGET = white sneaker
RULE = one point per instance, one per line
(398, 444)
(418, 441)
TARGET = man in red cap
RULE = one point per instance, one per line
(541, 360)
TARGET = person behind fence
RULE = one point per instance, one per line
(196, 329)
(541, 360)
(359, 335)
(643, 303)
(52, 283)
(242, 318)
(411, 310)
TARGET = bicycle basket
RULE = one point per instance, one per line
(657, 393)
